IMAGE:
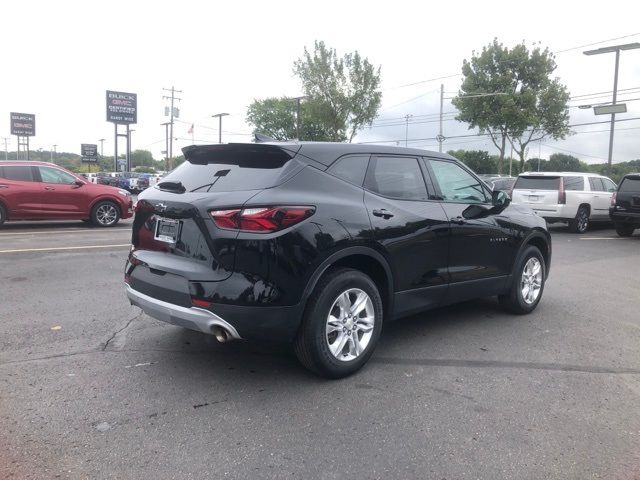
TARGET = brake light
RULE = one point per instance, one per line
(562, 195)
(197, 302)
(261, 219)
(613, 199)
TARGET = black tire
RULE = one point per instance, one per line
(3, 214)
(99, 216)
(312, 341)
(514, 301)
(624, 230)
(580, 224)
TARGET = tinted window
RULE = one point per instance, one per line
(351, 169)
(574, 183)
(596, 184)
(503, 183)
(246, 174)
(456, 184)
(609, 186)
(14, 172)
(630, 185)
(537, 183)
(53, 175)
(396, 177)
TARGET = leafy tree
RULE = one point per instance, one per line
(277, 118)
(145, 170)
(344, 92)
(509, 94)
(477, 160)
(141, 158)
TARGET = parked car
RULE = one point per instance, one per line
(625, 205)
(44, 191)
(501, 183)
(91, 177)
(318, 244)
(575, 198)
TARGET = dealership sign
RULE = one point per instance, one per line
(89, 152)
(122, 108)
(23, 124)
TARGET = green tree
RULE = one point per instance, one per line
(277, 118)
(561, 162)
(477, 160)
(510, 95)
(141, 158)
(344, 92)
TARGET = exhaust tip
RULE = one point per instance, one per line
(221, 334)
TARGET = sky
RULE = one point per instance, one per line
(223, 55)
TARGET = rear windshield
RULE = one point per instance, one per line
(229, 177)
(630, 185)
(538, 183)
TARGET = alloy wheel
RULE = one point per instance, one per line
(531, 280)
(106, 214)
(350, 324)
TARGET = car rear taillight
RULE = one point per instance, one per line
(562, 195)
(613, 199)
(261, 219)
(198, 302)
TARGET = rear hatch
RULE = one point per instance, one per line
(628, 195)
(173, 232)
(537, 190)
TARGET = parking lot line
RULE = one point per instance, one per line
(52, 249)
(78, 230)
(600, 238)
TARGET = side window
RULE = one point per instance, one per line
(609, 186)
(574, 183)
(456, 184)
(351, 168)
(396, 177)
(53, 175)
(19, 173)
(596, 184)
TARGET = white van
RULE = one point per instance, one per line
(571, 197)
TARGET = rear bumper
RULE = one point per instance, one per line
(620, 216)
(192, 318)
(555, 212)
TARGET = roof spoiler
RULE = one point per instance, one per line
(239, 153)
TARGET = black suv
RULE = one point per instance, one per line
(318, 244)
(625, 205)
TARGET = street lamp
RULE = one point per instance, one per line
(617, 49)
(219, 115)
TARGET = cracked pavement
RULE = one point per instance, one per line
(465, 392)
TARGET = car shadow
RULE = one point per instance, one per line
(57, 224)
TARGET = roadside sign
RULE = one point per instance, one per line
(609, 109)
(89, 153)
(122, 108)
(23, 124)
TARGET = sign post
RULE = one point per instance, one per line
(122, 109)
(89, 153)
(23, 126)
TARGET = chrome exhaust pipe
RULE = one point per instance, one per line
(221, 334)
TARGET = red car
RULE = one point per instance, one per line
(44, 191)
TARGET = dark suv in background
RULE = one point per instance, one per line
(625, 205)
(318, 244)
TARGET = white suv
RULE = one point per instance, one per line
(575, 198)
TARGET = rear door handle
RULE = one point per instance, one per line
(458, 220)
(386, 214)
(49, 188)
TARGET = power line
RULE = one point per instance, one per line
(596, 43)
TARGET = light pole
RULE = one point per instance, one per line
(612, 49)
(406, 129)
(53, 153)
(219, 115)
(166, 145)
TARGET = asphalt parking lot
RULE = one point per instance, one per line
(91, 388)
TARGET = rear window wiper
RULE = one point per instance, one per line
(219, 174)
(172, 187)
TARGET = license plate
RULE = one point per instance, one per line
(167, 230)
(533, 198)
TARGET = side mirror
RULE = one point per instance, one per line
(500, 199)
(78, 183)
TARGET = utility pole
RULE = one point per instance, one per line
(53, 153)
(101, 146)
(440, 136)
(6, 151)
(612, 49)
(406, 129)
(173, 98)
(298, 117)
(220, 115)
(166, 144)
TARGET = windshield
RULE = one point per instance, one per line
(538, 183)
